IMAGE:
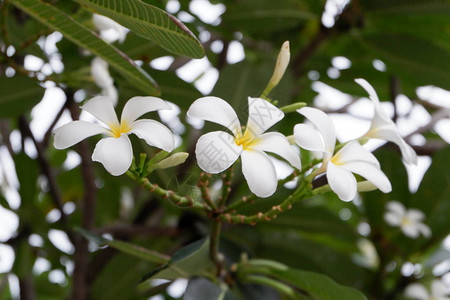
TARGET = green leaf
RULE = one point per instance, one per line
(267, 16)
(151, 23)
(314, 219)
(83, 37)
(189, 261)
(132, 249)
(317, 285)
(15, 99)
(314, 285)
(426, 64)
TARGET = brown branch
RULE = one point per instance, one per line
(302, 57)
(394, 90)
(47, 171)
(49, 131)
(5, 131)
(80, 285)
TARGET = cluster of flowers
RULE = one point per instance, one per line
(216, 151)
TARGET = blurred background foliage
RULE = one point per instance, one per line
(398, 46)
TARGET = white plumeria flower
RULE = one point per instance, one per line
(383, 127)
(352, 158)
(418, 291)
(114, 152)
(110, 30)
(101, 76)
(409, 220)
(218, 150)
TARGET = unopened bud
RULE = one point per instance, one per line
(292, 107)
(366, 186)
(281, 65)
(172, 161)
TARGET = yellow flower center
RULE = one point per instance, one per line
(117, 130)
(246, 140)
(405, 221)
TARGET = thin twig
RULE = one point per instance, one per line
(80, 284)
(47, 171)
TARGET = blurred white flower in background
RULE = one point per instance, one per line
(409, 220)
(419, 291)
(110, 30)
(101, 76)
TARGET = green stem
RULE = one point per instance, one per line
(214, 245)
(303, 191)
(226, 187)
(203, 184)
(277, 285)
(180, 201)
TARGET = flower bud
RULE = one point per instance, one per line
(172, 161)
(281, 65)
(293, 107)
(365, 186)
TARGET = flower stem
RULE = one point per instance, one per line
(277, 285)
(214, 245)
(203, 184)
(226, 187)
(303, 191)
(178, 200)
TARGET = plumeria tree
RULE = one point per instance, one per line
(264, 150)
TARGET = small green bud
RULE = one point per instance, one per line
(293, 107)
(172, 161)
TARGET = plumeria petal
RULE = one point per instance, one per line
(74, 132)
(154, 133)
(438, 289)
(323, 124)
(101, 107)
(277, 143)
(137, 106)
(115, 154)
(262, 115)
(216, 151)
(342, 182)
(216, 110)
(408, 152)
(308, 138)
(417, 291)
(353, 151)
(380, 117)
(259, 172)
(411, 229)
(396, 208)
(415, 215)
(392, 218)
(371, 173)
(424, 230)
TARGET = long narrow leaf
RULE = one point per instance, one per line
(151, 23)
(125, 247)
(83, 37)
